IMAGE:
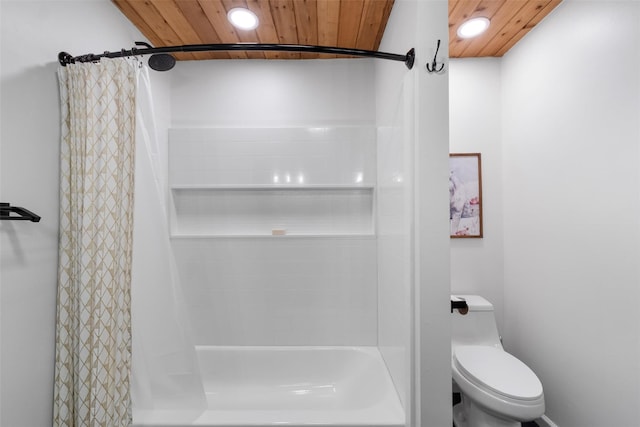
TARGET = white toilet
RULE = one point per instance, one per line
(497, 389)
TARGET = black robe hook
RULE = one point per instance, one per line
(433, 67)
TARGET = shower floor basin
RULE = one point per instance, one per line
(291, 386)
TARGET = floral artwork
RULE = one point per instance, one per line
(465, 195)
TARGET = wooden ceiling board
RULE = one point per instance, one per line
(510, 21)
(349, 23)
(284, 19)
(306, 13)
(201, 25)
(539, 16)
(328, 22)
(217, 15)
(505, 29)
(249, 36)
(488, 9)
(266, 31)
(517, 24)
(307, 24)
(373, 19)
(459, 11)
(131, 13)
(356, 24)
(160, 27)
(388, 5)
(137, 20)
(172, 14)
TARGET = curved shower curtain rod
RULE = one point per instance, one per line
(161, 60)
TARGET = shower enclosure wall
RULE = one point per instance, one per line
(274, 236)
(285, 203)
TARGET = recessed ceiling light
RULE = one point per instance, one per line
(473, 27)
(242, 18)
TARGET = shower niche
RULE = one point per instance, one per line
(273, 211)
(272, 182)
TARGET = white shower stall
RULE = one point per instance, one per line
(289, 261)
(275, 194)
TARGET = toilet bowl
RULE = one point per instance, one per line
(497, 389)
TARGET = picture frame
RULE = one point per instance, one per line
(465, 195)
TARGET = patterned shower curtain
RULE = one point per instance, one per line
(93, 330)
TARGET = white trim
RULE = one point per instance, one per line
(544, 421)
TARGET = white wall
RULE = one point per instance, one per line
(570, 187)
(32, 33)
(475, 127)
(571, 110)
(432, 228)
(413, 258)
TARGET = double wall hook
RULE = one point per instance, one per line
(434, 67)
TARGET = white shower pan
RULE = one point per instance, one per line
(289, 386)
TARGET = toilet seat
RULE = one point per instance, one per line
(498, 371)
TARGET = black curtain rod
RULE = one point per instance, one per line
(162, 61)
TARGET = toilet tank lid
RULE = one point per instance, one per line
(475, 302)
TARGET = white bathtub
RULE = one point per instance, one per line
(290, 386)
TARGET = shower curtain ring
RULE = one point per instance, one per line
(137, 56)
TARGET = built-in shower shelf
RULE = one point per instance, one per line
(223, 187)
(274, 211)
(270, 236)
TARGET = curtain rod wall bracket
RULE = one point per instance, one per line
(65, 58)
(411, 58)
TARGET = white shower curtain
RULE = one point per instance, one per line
(93, 336)
(165, 373)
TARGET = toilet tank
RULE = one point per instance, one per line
(478, 326)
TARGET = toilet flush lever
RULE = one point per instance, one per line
(460, 305)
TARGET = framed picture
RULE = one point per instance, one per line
(465, 195)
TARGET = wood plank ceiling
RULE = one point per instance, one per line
(511, 20)
(357, 24)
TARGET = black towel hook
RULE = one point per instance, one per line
(22, 214)
(433, 67)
